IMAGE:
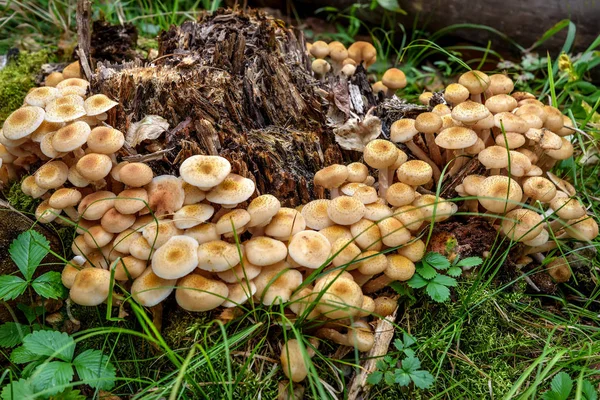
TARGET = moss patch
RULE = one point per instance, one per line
(17, 78)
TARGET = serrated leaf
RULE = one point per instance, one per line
(18, 390)
(408, 339)
(422, 379)
(409, 353)
(445, 280)
(12, 334)
(399, 344)
(416, 282)
(391, 5)
(52, 377)
(399, 287)
(426, 271)
(374, 378)
(381, 364)
(389, 378)
(437, 292)
(11, 287)
(410, 364)
(50, 344)
(69, 394)
(588, 391)
(470, 262)
(454, 271)
(21, 355)
(28, 250)
(402, 377)
(389, 360)
(30, 367)
(49, 285)
(437, 260)
(30, 312)
(562, 384)
(95, 369)
(550, 395)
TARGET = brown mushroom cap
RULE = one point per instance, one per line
(276, 283)
(105, 140)
(23, 122)
(320, 67)
(115, 222)
(455, 93)
(176, 258)
(456, 137)
(567, 208)
(335, 232)
(362, 51)
(499, 193)
(380, 153)
(165, 194)
(584, 228)
(410, 216)
(521, 224)
(30, 188)
(332, 176)
(205, 172)
(394, 79)
(357, 172)
(71, 137)
(566, 150)
(500, 84)
(94, 167)
(500, 103)
(197, 293)
(511, 140)
(130, 201)
(415, 172)
(510, 122)
(400, 194)
(128, 267)
(377, 211)
(90, 287)
(51, 175)
(148, 289)
(475, 81)
(45, 214)
(122, 241)
(539, 188)
(393, 233)
(53, 79)
(428, 122)
(366, 194)
(469, 112)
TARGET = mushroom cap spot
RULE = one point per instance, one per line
(205, 171)
(148, 289)
(309, 248)
(90, 287)
(23, 122)
(176, 258)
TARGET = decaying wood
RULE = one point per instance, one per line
(84, 18)
(384, 333)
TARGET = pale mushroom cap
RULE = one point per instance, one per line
(345, 210)
(136, 174)
(148, 289)
(98, 104)
(130, 201)
(94, 167)
(68, 99)
(90, 287)
(378, 87)
(193, 194)
(233, 190)
(51, 175)
(332, 176)
(469, 112)
(276, 283)
(393, 233)
(176, 258)
(93, 206)
(203, 233)
(372, 263)
(12, 143)
(584, 228)
(400, 194)
(357, 172)
(500, 103)
(475, 81)
(45, 214)
(122, 241)
(510, 122)
(511, 140)
(471, 184)
(377, 211)
(441, 110)
(345, 253)
(380, 153)
(96, 236)
(335, 232)
(415, 172)
(499, 193)
(476, 148)
(192, 215)
(414, 250)
(65, 197)
(337, 52)
(262, 251)
(292, 360)
(39, 97)
(567, 208)
(539, 188)
(366, 235)
(519, 163)
(165, 193)
(157, 233)
(71, 137)
(128, 267)
(566, 151)
(236, 219)
(262, 209)
(22, 122)
(310, 249)
(485, 123)
(366, 194)
(205, 171)
(239, 293)
(456, 137)
(351, 187)
(77, 82)
(286, 223)
(435, 209)
(538, 240)
(319, 49)
(320, 66)
(63, 112)
(410, 216)
(394, 79)
(105, 140)
(521, 224)
(425, 97)
(218, 256)
(315, 214)
(494, 157)
(428, 122)
(342, 297)
(399, 268)
(245, 270)
(115, 222)
(403, 130)
(500, 84)
(30, 188)
(456, 93)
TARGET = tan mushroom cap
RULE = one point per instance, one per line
(205, 172)
(105, 140)
(51, 175)
(77, 82)
(415, 172)
(435, 209)
(198, 293)
(262, 251)
(30, 188)
(53, 79)
(233, 220)
(378, 87)
(366, 235)
(276, 283)
(341, 297)
(293, 363)
(115, 222)
(519, 163)
(122, 241)
(176, 258)
(366, 194)
(165, 194)
(584, 228)
(372, 263)
(148, 289)
(46, 147)
(71, 270)
(532, 121)
(546, 139)
(65, 197)
(494, 157)
(350, 188)
(262, 209)
(71, 137)
(428, 122)
(90, 287)
(499, 193)
(510, 122)
(319, 49)
(218, 256)
(94, 167)
(136, 174)
(500, 84)
(567, 208)
(192, 215)
(315, 214)
(425, 97)
(158, 232)
(309, 249)
(332, 176)
(511, 140)
(23, 122)
(394, 79)
(357, 172)
(239, 293)
(456, 138)
(337, 52)
(193, 194)
(566, 150)
(455, 93)
(63, 112)
(41, 96)
(539, 189)
(363, 51)
(469, 112)
(475, 81)
(233, 190)
(98, 104)
(130, 201)
(203, 233)
(377, 211)
(414, 250)
(399, 268)
(380, 153)
(45, 214)
(93, 206)
(245, 270)
(128, 267)
(286, 223)
(320, 67)
(13, 143)
(400, 194)
(476, 148)
(403, 130)
(521, 224)
(500, 103)
(410, 216)
(96, 236)
(335, 232)
(393, 233)
(345, 210)
(540, 239)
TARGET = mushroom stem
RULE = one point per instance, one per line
(459, 161)
(376, 284)
(74, 320)
(550, 245)
(556, 225)
(420, 154)
(472, 206)
(434, 149)
(476, 98)
(486, 136)
(383, 182)
(334, 192)
(494, 171)
(258, 231)
(157, 314)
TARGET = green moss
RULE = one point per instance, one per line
(17, 78)
(19, 200)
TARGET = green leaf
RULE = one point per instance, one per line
(374, 378)
(21, 355)
(562, 384)
(30, 312)
(437, 292)
(399, 344)
(402, 377)
(389, 378)
(28, 250)
(426, 271)
(422, 379)
(588, 391)
(95, 369)
(381, 364)
(50, 344)
(437, 260)
(12, 333)
(409, 353)
(408, 339)
(49, 285)
(69, 394)
(52, 377)
(391, 5)
(30, 367)
(454, 271)
(416, 282)
(18, 390)
(410, 364)
(11, 287)
(445, 280)
(470, 262)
